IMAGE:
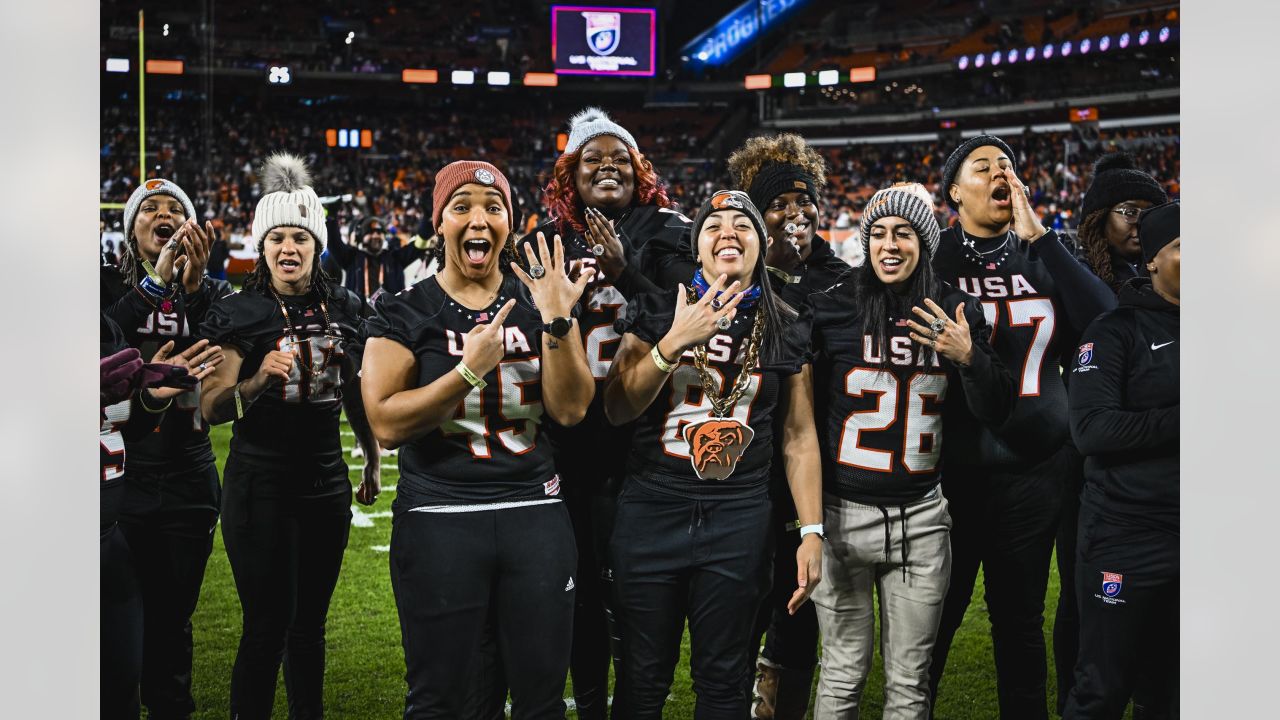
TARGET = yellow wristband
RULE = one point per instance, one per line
(660, 361)
(475, 380)
(239, 403)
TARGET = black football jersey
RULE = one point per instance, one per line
(594, 450)
(117, 423)
(660, 454)
(181, 441)
(1023, 305)
(493, 449)
(881, 428)
(292, 425)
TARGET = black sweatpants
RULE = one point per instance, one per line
(591, 508)
(1127, 585)
(706, 560)
(169, 519)
(453, 572)
(1066, 621)
(120, 610)
(285, 534)
(1004, 521)
(790, 641)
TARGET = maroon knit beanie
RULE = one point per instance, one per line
(456, 174)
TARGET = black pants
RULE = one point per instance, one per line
(1129, 629)
(708, 561)
(591, 511)
(1066, 621)
(120, 610)
(169, 519)
(791, 641)
(1004, 521)
(285, 535)
(454, 572)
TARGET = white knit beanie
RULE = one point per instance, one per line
(288, 200)
(154, 186)
(591, 123)
(906, 204)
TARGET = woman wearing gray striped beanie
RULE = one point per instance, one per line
(894, 350)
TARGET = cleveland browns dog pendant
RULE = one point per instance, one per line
(716, 445)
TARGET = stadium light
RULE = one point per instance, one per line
(499, 77)
(366, 138)
(351, 36)
(758, 82)
(1164, 34)
(166, 30)
(331, 137)
(1124, 41)
(1066, 48)
(420, 75)
(793, 79)
(164, 67)
(997, 57)
(541, 79)
(828, 77)
(279, 75)
(980, 60)
(1029, 54)
(1104, 44)
(1047, 52)
(118, 65)
(866, 73)
(1085, 46)
(463, 77)
(963, 63)
(1144, 37)
(342, 137)
(1012, 57)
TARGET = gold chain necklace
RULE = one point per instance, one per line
(723, 405)
(296, 342)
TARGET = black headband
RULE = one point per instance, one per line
(778, 178)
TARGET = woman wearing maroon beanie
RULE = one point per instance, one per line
(458, 370)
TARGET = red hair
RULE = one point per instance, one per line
(563, 203)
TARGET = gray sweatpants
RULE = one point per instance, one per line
(864, 553)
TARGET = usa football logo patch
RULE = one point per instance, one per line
(1086, 354)
(1111, 584)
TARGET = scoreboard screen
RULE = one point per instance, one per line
(603, 40)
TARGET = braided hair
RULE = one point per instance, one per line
(1092, 236)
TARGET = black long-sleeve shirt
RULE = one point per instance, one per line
(362, 271)
(1124, 403)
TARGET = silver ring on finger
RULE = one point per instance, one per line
(933, 334)
(724, 322)
(716, 304)
(203, 366)
(537, 271)
(938, 325)
(597, 250)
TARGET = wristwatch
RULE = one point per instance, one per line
(558, 327)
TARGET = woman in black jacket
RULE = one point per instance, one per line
(1124, 405)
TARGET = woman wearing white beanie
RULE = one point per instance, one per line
(292, 342)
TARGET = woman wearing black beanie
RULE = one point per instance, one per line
(1124, 418)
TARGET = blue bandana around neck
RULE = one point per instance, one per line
(749, 296)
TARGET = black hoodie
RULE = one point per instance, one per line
(1124, 401)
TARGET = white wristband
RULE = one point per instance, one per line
(810, 529)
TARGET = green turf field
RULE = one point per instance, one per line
(364, 677)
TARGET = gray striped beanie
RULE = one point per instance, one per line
(154, 186)
(288, 200)
(900, 202)
(591, 123)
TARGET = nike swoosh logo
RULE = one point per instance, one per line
(1157, 347)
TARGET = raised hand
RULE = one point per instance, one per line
(695, 323)
(951, 340)
(552, 290)
(199, 361)
(199, 244)
(1025, 221)
(600, 231)
(484, 345)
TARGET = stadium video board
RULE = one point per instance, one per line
(603, 40)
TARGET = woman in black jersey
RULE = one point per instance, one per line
(159, 293)
(1005, 483)
(1124, 418)
(701, 374)
(459, 370)
(1108, 235)
(784, 176)
(608, 204)
(895, 348)
(291, 340)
